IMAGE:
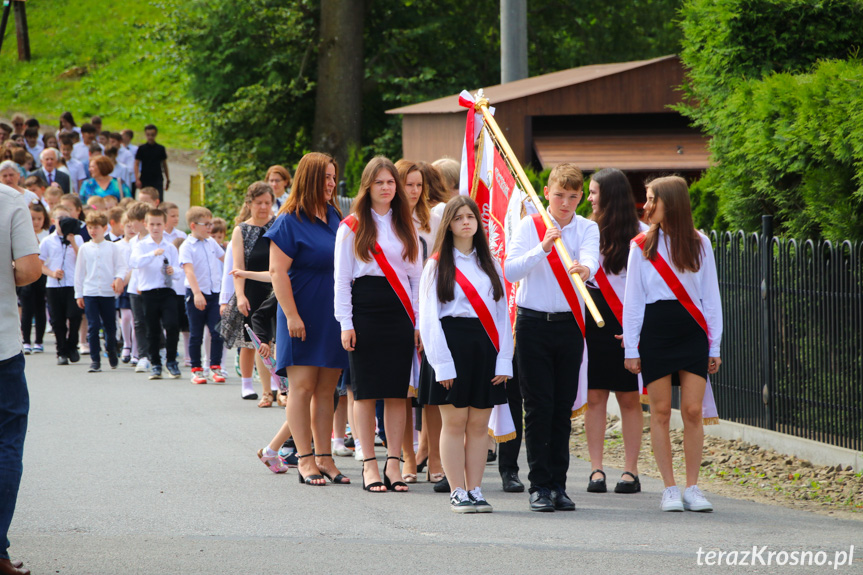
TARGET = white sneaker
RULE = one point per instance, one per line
(671, 500)
(143, 365)
(358, 454)
(693, 500)
(341, 450)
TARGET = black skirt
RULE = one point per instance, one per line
(604, 354)
(475, 360)
(671, 341)
(381, 363)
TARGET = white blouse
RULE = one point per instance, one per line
(526, 262)
(348, 267)
(617, 281)
(431, 310)
(644, 286)
(429, 236)
(97, 267)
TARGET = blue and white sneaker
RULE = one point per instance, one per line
(289, 456)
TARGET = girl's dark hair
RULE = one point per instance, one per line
(616, 217)
(67, 116)
(402, 221)
(443, 246)
(38, 208)
(684, 241)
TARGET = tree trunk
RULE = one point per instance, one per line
(339, 100)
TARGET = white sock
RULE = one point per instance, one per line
(338, 443)
(248, 387)
(269, 452)
(357, 443)
(274, 383)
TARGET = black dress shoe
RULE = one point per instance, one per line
(597, 485)
(62, 360)
(633, 486)
(442, 486)
(511, 483)
(540, 500)
(492, 456)
(561, 500)
(74, 356)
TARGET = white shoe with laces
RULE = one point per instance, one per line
(143, 365)
(671, 500)
(694, 500)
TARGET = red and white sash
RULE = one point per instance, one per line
(565, 283)
(611, 297)
(478, 305)
(708, 406)
(560, 274)
(389, 273)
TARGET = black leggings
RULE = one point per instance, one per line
(32, 298)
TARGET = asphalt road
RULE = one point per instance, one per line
(125, 476)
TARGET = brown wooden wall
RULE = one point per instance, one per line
(645, 90)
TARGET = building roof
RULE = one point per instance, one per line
(529, 86)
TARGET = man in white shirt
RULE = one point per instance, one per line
(59, 253)
(99, 274)
(549, 336)
(81, 150)
(74, 169)
(157, 260)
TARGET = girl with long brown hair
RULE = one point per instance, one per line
(426, 224)
(614, 212)
(464, 320)
(672, 329)
(377, 272)
(309, 354)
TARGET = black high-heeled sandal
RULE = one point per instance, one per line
(308, 480)
(339, 479)
(422, 465)
(391, 485)
(597, 485)
(376, 483)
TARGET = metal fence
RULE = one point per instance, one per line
(792, 346)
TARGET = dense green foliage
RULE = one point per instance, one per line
(93, 57)
(777, 86)
(254, 66)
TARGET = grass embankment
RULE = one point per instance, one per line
(94, 57)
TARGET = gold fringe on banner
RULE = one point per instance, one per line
(502, 438)
(645, 399)
(710, 421)
(578, 411)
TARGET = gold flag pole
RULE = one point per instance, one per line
(481, 106)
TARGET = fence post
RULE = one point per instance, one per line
(196, 189)
(767, 320)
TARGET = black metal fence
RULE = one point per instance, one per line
(792, 347)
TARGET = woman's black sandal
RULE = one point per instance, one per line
(633, 486)
(308, 480)
(376, 483)
(339, 479)
(597, 485)
(391, 485)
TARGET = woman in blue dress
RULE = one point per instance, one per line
(308, 337)
(102, 184)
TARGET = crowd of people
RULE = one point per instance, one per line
(392, 319)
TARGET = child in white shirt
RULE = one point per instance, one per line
(99, 274)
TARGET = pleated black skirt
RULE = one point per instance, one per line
(604, 354)
(381, 362)
(475, 359)
(671, 341)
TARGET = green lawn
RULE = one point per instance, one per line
(95, 57)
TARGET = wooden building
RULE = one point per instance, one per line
(605, 115)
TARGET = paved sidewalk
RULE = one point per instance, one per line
(125, 476)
